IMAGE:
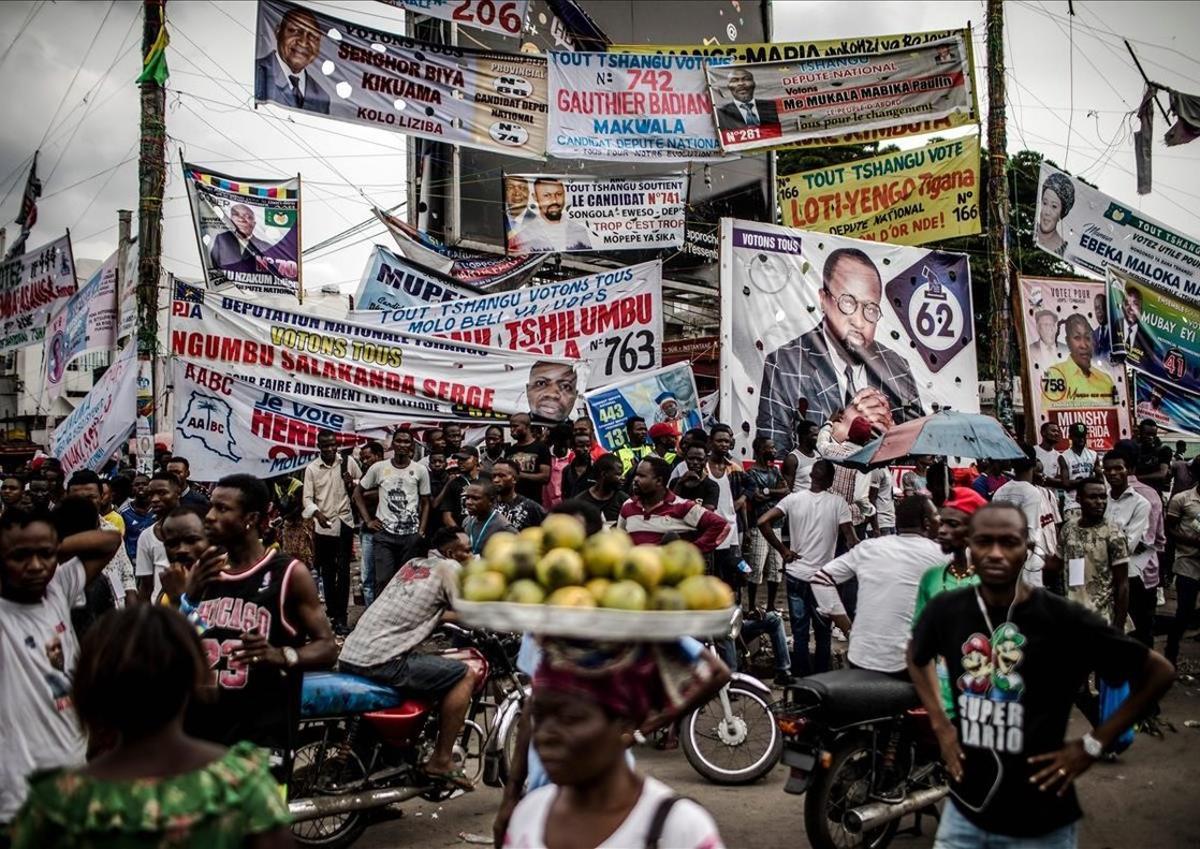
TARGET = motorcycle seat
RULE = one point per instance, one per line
(856, 695)
(339, 693)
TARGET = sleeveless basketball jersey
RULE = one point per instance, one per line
(259, 703)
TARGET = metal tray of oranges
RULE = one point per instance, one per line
(594, 623)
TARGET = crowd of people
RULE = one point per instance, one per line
(154, 632)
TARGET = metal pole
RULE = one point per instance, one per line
(998, 217)
(1146, 79)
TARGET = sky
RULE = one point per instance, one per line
(69, 67)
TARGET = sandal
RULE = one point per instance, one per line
(456, 777)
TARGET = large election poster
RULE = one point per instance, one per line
(32, 286)
(813, 325)
(1172, 407)
(370, 368)
(312, 62)
(1153, 331)
(392, 282)
(907, 197)
(86, 322)
(104, 419)
(665, 395)
(506, 17)
(636, 108)
(224, 425)
(764, 105)
(551, 213)
(1071, 377)
(247, 229)
(1094, 232)
(612, 320)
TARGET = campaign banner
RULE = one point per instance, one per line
(103, 420)
(1067, 359)
(629, 107)
(127, 293)
(664, 395)
(1173, 407)
(814, 324)
(336, 362)
(612, 320)
(86, 322)
(313, 62)
(1094, 232)
(506, 17)
(391, 282)
(1153, 331)
(768, 104)
(475, 268)
(32, 286)
(907, 197)
(247, 229)
(558, 213)
(225, 426)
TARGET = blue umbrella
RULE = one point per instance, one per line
(947, 433)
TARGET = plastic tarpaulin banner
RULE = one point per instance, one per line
(547, 213)
(612, 320)
(813, 324)
(224, 425)
(391, 282)
(372, 369)
(247, 229)
(506, 17)
(103, 420)
(1071, 378)
(665, 395)
(907, 197)
(1172, 407)
(1094, 232)
(637, 108)
(1154, 332)
(765, 105)
(86, 322)
(32, 286)
(494, 101)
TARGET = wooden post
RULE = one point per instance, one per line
(998, 213)
(151, 180)
(299, 242)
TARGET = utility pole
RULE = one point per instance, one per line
(998, 213)
(151, 180)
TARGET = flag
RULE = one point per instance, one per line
(154, 66)
(28, 215)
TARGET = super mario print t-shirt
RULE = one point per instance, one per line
(1014, 682)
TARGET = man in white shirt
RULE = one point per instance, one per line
(1130, 513)
(814, 520)
(402, 514)
(1041, 515)
(328, 480)
(1081, 463)
(1054, 468)
(151, 553)
(889, 570)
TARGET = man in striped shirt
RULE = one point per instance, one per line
(655, 511)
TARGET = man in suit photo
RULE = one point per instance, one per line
(282, 75)
(839, 363)
(745, 111)
(236, 249)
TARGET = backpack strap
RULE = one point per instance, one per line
(659, 820)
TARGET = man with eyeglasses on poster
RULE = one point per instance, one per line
(838, 365)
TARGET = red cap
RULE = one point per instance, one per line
(964, 499)
(661, 429)
(860, 431)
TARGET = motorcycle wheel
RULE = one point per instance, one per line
(734, 750)
(310, 767)
(846, 784)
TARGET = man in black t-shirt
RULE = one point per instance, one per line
(692, 481)
(1016, 657)
(453, 504)
(605, 494)
(521, 512)
(532, 457)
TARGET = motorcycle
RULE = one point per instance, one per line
(362, 743)
(861, 749)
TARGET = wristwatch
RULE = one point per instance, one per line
(1092, 746)
(291, 657)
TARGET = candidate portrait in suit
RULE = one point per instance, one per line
(1128, 337)
(236, 249)
(839, 363)
(745, 111)
(282, 75)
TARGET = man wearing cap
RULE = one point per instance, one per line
(664, 438)
(454, 503)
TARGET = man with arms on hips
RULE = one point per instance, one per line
(328, 482)
(402, 514)
(282, 75)
(1017, 656)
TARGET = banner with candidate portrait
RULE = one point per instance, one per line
(552, 213)
(1067, 359)
(1153, 331)
(32, 286)
(664, 395)
(392, 282)
(629, 107)
(86, 322)
(822, 327)
(906, 197)
(505, 17)
(104, 419)
(247, 229)
(368, 368)
(1095, 232)
(611, 320)
(759, 106)
(1172, 407)
(312, 62)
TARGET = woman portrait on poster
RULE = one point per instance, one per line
(1058, 196)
